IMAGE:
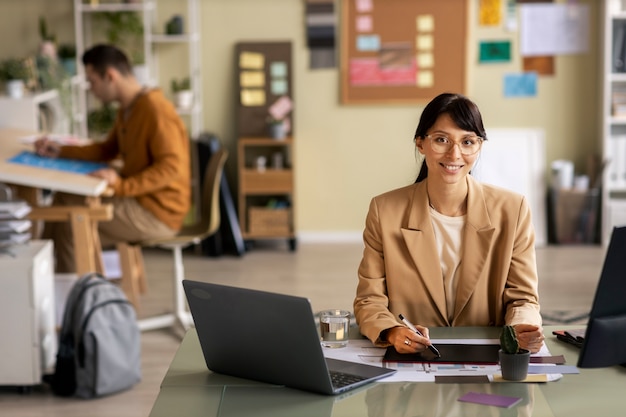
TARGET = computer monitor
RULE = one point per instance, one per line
(605, 337)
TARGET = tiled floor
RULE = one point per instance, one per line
(325, 273)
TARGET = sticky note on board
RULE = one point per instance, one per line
(251, 60)
(252, 97)
(279, 87)
(425, 79)
(425, 60)
(364, 6)
(251, 78)
(368, 43)
(424, 42)
(281, 107)
(278, 69)
(364, 23)
(425, 23)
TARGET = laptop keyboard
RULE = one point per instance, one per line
(340, 379)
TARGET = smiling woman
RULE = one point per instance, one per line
(481, 235)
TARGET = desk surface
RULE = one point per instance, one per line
(40, 177)
(189, 389)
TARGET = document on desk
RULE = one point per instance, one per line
(363, 351)
(55, 137)
(59, 164)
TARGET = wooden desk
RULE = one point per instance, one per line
(189, 389)
(29, 180)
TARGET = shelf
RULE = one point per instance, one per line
(266, 141)
(257, 187)
(115, 7)
(84, 13)
(270, 181)
(618, 77)
(184, 38)
(617, 120)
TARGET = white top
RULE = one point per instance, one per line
(449, 237)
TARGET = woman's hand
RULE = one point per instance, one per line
(405, 340)
(529, 337)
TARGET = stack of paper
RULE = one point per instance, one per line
(14, 227)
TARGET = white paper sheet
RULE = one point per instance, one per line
(554, 29)
(363, 351)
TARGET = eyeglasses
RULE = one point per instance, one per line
(469, 145)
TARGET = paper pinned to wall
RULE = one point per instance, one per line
(526, 176)
(554, 29)
(520, 85)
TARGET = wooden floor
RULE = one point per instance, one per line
(325, 273)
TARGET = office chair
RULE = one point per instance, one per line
(133, 276)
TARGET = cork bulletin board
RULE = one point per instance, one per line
(264, 79)
(402, 51)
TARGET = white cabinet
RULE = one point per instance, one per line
(27, 313)
(34, 111)
(155, 40)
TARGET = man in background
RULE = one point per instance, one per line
(151, 188)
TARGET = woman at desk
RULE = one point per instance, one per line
(152, 188)
(448, 250)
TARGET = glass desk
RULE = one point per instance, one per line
(189, 389)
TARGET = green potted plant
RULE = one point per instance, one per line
(101, 120)
(513, 359)
(125, 30)
(183, 96)
(14, 72)
(67, 56)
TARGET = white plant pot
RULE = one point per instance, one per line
(278, 131)
(184, 99)
(141, 74)
(15, 88)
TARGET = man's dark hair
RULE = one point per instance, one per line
(103, 56)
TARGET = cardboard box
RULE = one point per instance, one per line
(576, 215)
(269, 221)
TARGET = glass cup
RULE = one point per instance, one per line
(334, 327)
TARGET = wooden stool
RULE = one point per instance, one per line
(133, 279)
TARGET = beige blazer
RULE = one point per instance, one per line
(400, 272)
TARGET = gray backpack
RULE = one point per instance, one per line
(100, 347)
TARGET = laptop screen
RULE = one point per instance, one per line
(605, 337)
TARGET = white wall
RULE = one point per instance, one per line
(344, 155)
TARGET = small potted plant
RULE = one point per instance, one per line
(101, 120)
(67, 56)
(14, 72)
(277, 128)
(183, 96)
(513, 359)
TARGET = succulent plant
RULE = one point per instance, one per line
(508, 340)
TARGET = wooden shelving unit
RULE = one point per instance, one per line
(266, 194)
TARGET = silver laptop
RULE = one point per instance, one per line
(268, 337)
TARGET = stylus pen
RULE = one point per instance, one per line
(412, 327)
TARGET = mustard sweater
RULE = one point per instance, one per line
(152, 143)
